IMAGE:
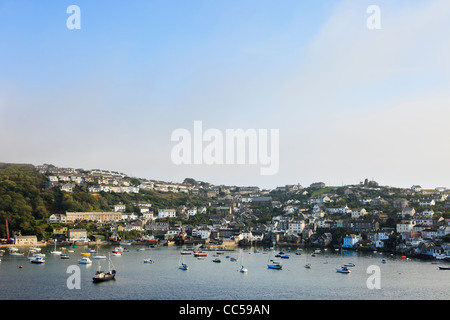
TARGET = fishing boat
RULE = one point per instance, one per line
(102, 276)
(343, 269)
(38, 260)
(85, 260)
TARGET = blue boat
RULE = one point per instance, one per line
(275, 265)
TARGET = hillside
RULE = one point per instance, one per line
(27, 204)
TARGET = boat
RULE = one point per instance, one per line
(86, 254)
(275, 265)
(85, 260)
(125, 243)
(349, 265)
(383, 261)
(200, 254)
(243, 269)
(185, 252)
(98, 256)
(101, 276)
(217, 260)
(284, 257)
(444, 267)
(116, 253)
(38, 260)
(15, 252)
(55, 251)
(140, 249)
(148, 261)
(308, 266)
(343, 269)
(118, 249)
(182, 265)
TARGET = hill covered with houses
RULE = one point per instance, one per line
(47, 201)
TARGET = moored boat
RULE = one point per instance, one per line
(85, 260)
(38, 260)
(275, 265)
(344, 269)
(102, 276)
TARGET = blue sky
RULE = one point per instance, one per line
(350, 103)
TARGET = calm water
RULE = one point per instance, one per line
(206, 280)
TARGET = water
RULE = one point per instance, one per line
(205, 280)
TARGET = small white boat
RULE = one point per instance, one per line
(38, 260)
(148, 261)
(99, 256)
(85, 260)
(55, 251)
(116, 253)
(243, 269)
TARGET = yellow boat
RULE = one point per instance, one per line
(86, 254)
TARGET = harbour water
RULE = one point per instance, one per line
(400, 279)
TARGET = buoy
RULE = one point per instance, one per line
(20, 267)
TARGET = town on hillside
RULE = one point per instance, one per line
(366, 216)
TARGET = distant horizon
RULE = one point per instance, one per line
(236, 185)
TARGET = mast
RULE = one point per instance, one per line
(7, 230)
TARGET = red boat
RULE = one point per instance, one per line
(185, 252)
(200, 254)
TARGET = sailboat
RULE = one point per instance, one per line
(102, 276)
(274, 264)
(98, 256)
(307, 265)
(242, 269)
(64, 255)
(181, 264)
(55, 251)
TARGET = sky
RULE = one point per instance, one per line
(349, 102)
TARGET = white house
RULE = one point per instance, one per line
(68, 187)
(192, 211)
(339, 210)
(119, 208)
(148, 216)
(296, 227)
(428, 213)
(357, 213)
(166, 213)
(406, 226)
(427, 203)
(57, 218)
(201, 233)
